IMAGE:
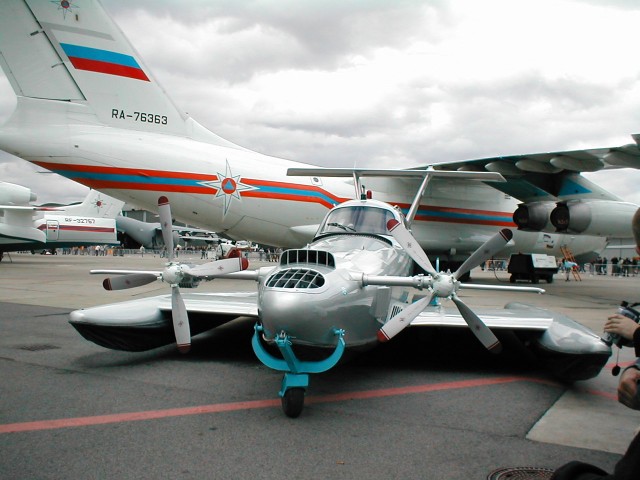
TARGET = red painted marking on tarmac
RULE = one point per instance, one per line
(600, 393)
(621, 364)
(433, 387)
(135, 416)
(256, 404)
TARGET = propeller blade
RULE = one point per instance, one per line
(477, 326)
(128, 281)
(411, 245)
(164, 210)
(219, 267)
(180, 320)
(401, 320)
(487, 250)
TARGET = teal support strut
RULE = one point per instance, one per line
(296, 372)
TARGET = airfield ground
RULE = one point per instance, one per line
(441, 410)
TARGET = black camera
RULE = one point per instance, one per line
(628, 311)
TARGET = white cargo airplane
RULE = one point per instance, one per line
(89, 109)
(91, 222)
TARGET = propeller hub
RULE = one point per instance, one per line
(445, 285)
(173, 274)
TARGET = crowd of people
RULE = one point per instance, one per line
(627, 267)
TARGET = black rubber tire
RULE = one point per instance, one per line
(293, 402)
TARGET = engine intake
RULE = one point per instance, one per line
(602, 218)
(533, 217)
(12, 194)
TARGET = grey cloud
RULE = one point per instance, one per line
(245, 38)
(621, 4)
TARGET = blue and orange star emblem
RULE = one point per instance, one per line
(66, 6)
(229, 187)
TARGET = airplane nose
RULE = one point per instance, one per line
(309, 305)
(297, 301)
(295, 312)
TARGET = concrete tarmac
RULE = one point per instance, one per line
(419, 407)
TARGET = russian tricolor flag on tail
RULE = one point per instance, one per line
(103, 61)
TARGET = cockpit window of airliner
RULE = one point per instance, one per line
(357, 219)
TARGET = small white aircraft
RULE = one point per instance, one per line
(89, 109)
(352, 287)
(91, 222)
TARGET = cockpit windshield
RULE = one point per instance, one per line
(357, 219)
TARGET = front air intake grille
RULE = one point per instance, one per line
(296, 278)
(314, 257)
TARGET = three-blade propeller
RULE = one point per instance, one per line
(445, 285)
(175, 273)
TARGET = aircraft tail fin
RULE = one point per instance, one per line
(97, 205)
(73, 53)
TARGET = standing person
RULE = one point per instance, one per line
(628, 468)
(626, 266)
(568, 267)
(142, 251)
(614, 267)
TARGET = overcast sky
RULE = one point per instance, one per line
(388, 83)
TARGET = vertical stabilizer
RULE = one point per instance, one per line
(72, 51)
(97, 205)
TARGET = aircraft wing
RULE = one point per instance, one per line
(502, 318)
(28, 208)
(218, 304)
(553, 176)
(192, 231)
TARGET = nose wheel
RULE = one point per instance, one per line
(293, 402)
(296, 372)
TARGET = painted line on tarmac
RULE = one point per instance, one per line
(256, 404)
(600, 393)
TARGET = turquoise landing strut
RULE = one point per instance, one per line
(296, 371)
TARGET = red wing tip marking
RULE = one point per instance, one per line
(391, 224)
(184, 348)
(163, 200)
(382, 337)
(244, 263)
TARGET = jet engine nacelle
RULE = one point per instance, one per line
(534, 217)
(603, 218)
(12, 194)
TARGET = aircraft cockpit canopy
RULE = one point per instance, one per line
(359, 217)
